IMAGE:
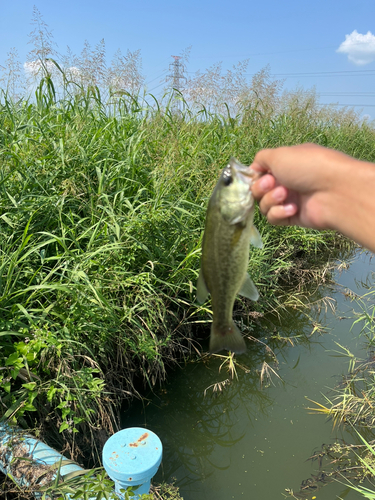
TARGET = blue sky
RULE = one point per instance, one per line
(293, 37)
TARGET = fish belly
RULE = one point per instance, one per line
(225, 261)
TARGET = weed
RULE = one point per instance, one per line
(103, 194)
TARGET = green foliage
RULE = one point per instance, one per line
(102, 210)
(96, 484)
(74, 390)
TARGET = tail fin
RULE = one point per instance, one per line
(227, 337)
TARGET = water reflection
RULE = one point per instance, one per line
(195, 420)
(246, 438)
(203, 412)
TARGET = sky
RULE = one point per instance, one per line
(328, 44)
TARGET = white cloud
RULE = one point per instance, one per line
(34, 67)
(360, 48)
(73, 72)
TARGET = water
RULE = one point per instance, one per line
(253, 441)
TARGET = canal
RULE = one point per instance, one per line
(251, 437)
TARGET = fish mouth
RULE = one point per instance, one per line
(244, 173)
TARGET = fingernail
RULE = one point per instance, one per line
(265, 183)
(289, 209)
(279, 194)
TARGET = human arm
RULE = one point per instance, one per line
(317, 187)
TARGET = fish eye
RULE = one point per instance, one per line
(227, 177)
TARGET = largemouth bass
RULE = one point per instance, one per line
(228, 232)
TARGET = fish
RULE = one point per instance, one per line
(228, 231)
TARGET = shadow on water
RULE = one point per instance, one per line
(197, 413)
(229, 437)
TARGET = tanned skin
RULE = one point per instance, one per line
(312, 186)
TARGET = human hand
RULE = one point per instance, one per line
(298, 184)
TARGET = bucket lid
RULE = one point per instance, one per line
(132, 455)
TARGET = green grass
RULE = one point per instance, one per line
(101, 217)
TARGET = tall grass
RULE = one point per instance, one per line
(101, 217)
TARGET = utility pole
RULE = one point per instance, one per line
(177, 69)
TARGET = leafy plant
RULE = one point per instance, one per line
(103, 195)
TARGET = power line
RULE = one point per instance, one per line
(346, 105)
(157, 86)
(364, 72)
(371, 94)
(147, 83)
(177, 69)
(319, 75)
(286, 51)
(332, 72)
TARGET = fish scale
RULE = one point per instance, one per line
(225, 253)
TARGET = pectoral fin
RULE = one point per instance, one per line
(202, 290)
(248, 289)
(255, 238)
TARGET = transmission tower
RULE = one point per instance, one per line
(177, 69)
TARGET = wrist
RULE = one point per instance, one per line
(351, 202)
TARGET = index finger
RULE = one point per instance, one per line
(262, 160)
(262, 186)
